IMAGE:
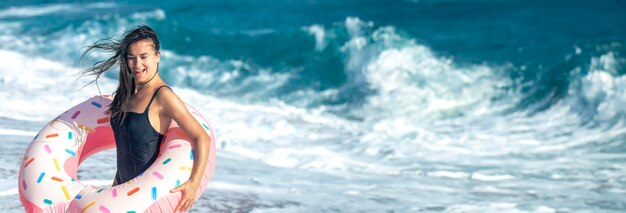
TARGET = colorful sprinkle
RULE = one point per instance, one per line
(56, 164)
(103, 120)
(40, 177)
(114, 192)
(72, 179)
(47, 148)
(36, 136)
(154, 193)
(174, 146)
(198, 114)
(130, 212)
(104, 209)
(167, 161)
(86, 128)
(55, 178)
(96, 104)
(69, 135)
(132, 191)
(70, 152)
(191, 154)
(24, 184)
(206, 127)
(158, 175)
(99, 190)
(46, 201)
(177, 183)
(67, 195)
(29, 161)
(185, 168)
(88, 205)
(75, 115)
(52, 135)
(78, 196)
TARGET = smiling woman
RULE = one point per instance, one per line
(141, 57)
(142, 113)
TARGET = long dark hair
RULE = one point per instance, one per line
(119, 48)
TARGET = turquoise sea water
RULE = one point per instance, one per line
(355, 105)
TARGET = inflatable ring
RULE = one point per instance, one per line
(48, 179)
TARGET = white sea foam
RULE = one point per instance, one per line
(414, 78)
(496, 208)
(601, 90)
(430, 105)
(12, 191)
(30, 11)
(30, 84)
(27, 11)
(318, 32)
(449, 174)
(489, 177)
(17, 132)
(222, 77)
(157, 14)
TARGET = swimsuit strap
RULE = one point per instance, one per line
(154, 95)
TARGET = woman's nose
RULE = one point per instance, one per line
(137, 64)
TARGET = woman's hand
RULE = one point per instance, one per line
(189, 190)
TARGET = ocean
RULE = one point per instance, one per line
(354, 105)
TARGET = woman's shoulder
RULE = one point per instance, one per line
(167, 98)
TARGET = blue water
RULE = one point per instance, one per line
(356, 105)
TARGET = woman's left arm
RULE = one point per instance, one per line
(175, 108)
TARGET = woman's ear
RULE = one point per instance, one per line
(158, 56)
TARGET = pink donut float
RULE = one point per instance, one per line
(48, 182)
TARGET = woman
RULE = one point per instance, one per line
(143, 107)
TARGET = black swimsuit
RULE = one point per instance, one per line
(137, 143)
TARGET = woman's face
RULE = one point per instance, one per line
(142, 60)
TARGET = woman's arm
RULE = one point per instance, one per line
(175, 108)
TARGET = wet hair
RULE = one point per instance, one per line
(119, 48)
